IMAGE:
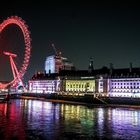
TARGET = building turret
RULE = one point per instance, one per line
(91, 68)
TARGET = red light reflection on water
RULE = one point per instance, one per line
(12, 122)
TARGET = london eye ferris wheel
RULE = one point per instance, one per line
(15, 50)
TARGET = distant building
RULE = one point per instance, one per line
(55, 63)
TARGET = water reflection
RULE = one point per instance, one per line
(11, 124)
(30, 119)
(126, 122)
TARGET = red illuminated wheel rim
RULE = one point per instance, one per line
(27, 50)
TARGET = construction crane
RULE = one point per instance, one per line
(54, 49)
(56, 52)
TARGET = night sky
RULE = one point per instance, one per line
(108, 32)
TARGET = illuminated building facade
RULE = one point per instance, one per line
(50, 64)
(102, 82)
(101, 85)
(124, 87)
(81, 85)
(124, 82)
(44, 86)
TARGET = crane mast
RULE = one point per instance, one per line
(54, 49)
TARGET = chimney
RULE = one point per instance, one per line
(130, 67)
(111, 68)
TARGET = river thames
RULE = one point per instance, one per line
(42, 120)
